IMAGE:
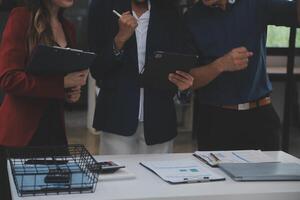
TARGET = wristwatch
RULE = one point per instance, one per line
(117, 52)
(231, 1)
(184, 97)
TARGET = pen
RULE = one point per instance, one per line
(46, 162)
(215, 157)
(117, 14)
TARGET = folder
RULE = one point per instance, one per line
(48, 60)
(157, 70)
(262, 171)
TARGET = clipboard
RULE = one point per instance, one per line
(48, 60)
(158, 68)
(182, 171)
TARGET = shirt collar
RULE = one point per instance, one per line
(145, 14)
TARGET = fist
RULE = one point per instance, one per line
(237, 59)
(127, 26)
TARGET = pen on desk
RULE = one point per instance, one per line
(117, 14)
(46, 162)
(215, 157)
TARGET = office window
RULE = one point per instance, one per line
(278, 37)
(298, 38)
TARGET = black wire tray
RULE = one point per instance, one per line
(53, 170)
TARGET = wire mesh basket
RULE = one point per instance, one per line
(53, 170)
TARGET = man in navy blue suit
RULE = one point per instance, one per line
(134, 119)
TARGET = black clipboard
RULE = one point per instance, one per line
(48, 60)
(161, 65)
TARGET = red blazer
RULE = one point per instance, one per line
(26, 95)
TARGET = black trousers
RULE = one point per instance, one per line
(51, 131)
(223, 129)
(4, 181)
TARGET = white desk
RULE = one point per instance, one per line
(150, 187)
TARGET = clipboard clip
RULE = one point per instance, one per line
(69, 49)
(197, 180)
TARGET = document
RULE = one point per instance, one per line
(214, 158)
(182, 171)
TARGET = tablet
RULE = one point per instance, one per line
(48, 60)
(162, 63)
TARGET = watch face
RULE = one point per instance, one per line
(231, 1)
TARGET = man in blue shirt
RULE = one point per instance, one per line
(234, 107)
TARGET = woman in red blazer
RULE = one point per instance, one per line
(32, 110)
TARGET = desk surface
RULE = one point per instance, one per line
(148, 186)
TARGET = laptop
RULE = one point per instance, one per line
(262, 171)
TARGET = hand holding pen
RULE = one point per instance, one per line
(127, 26)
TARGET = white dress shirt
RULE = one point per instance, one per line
(141, 40)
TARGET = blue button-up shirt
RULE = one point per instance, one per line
(216, 32)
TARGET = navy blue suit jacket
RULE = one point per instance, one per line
(118, 102)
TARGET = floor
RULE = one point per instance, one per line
(78, 134)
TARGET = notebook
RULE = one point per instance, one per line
(262, 171)
(214, 158)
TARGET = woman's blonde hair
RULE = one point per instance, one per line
(39, 31)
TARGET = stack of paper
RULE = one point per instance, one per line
(214, 158)
(182, 171)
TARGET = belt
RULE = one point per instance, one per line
(250, 105)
